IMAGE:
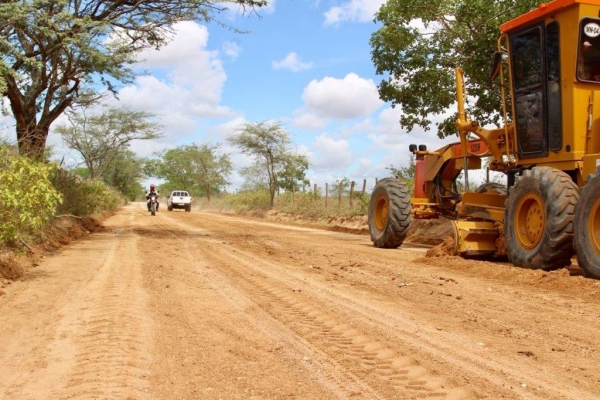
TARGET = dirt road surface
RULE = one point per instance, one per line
(209, 306)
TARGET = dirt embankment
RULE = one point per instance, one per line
(26, 253)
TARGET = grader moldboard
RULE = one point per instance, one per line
(548, 149)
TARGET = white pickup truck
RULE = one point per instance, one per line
(179, 199)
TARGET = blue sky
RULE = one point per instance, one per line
(304, 63)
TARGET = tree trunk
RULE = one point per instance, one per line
(31, 137)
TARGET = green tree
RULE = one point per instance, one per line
(420, 62)
(100, 138)
(270, 144)
(340, 185)
(255, 177)
(124, 173)
(55, 50)
(292, 175)
(405, 174)
(196, 168)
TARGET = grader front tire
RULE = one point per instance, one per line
(587, 229)
(538, 223)
(389, 213)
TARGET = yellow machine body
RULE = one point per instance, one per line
(553, 121)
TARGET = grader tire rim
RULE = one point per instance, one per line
(538, 221)
(587, 228)
(389, 213)
(381, 212)
(530, 220)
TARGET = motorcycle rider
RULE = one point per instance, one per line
(151, 192)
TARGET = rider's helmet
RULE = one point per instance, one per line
(152, 186)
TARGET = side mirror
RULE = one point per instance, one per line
(412, 148)
(496, 65)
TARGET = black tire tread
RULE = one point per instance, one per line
(587, 258)
(556, 247)
(399, 214)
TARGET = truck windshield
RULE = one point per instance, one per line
(588, 68)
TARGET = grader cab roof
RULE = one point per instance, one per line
(543, 11)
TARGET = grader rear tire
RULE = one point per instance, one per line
(538, 223)
(587, 229)
(389, 213)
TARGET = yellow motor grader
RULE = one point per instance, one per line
(549, 150)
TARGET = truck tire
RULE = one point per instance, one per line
(188, 208)
(587, 228)
(389, 213)
(493, 187)
(538, 221)
(170, 208)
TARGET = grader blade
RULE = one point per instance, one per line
(475, 238)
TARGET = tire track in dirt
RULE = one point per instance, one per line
(490, 368)
(336, 379)
(110, 358)
(310, 315)
(420, 339)
(372, 363)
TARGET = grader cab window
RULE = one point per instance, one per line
(529, 81)
(588, 68)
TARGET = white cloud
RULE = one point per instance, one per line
(292, 62)
(347, 98)
(187, 78)
(231, 49)
(185, 86)
(328, 154)
(309, 121)
(353, 10)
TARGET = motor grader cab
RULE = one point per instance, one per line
(548, 64)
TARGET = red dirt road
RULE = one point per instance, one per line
(208, 306)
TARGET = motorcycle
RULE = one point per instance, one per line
(153, 204)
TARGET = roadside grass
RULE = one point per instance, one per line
(305, 204)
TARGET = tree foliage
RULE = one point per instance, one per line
(420, 44)
(125, 173)
(100, 138)
(270, 144)
(196, 168)
(406, 174)
(55, 50)
(27, 198)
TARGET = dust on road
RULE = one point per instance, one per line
(201, 305)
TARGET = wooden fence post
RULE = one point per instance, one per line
(364, 186)
(326, 193)
(315, 191)
(352, 194)
(340, 194)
